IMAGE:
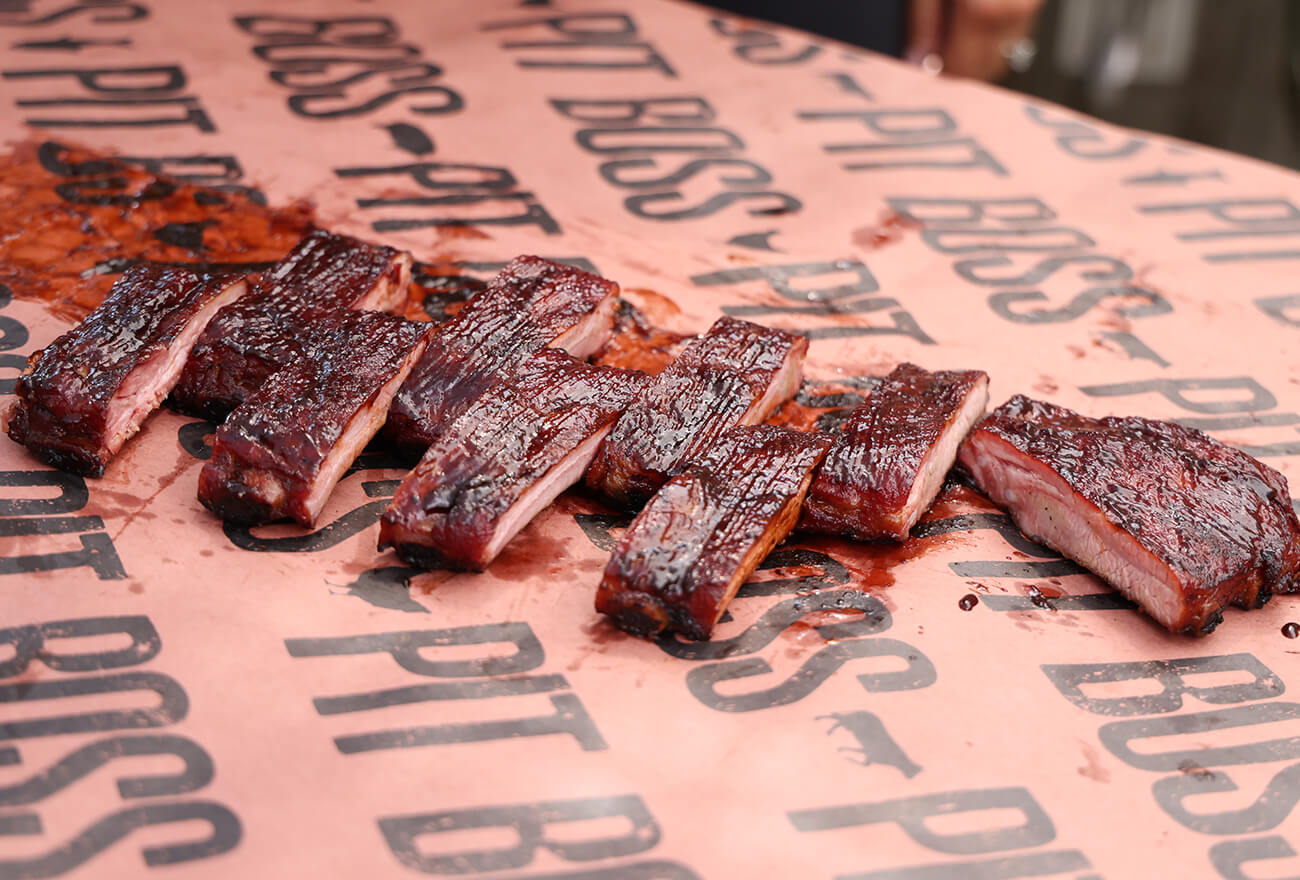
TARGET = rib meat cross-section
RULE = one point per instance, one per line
(886, 468)
(531, 304)
(281, 452)
(504, 459)
(263, 332)
(82, 397)
(737, 373)
(1178, 522)
(705, 531)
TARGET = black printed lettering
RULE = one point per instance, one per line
(529, 823)
(196, 773)
(1118, 737)
(224, 832)
(172, 704)
(1172, 676)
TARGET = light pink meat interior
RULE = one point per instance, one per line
(1046, 509)
(939, 460)
(152, 380)
(360, 430)
(591, 333)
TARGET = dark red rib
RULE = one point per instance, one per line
(85, 394)
(281, 451)
(1187, 524)
(263, 332)
(508, 455)
(738, 373)
(886, 467)
(705, 531)
(531, 304)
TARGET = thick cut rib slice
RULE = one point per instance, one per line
(281, 452)
(1173, 519)
(886, 468)
(507, 457)
(263, 332)
(531, 304)
(706, 530)
(738, 373)
(82, 397)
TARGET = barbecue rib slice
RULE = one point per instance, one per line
(737, 373)
(886, 468)
(263, 332)
(83, 396)
(1173, 519)
(507, 456)
(281, 452)
(531, 304)
(706, 530)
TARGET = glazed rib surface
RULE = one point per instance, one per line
(737, 373)
(705, 531)
(887, 466)
(264, 331)
(83, 396)
(280, 453)
(507, 456)
(531, 304)
(1178, 522)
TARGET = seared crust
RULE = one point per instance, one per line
(310, 420)
(452, 509)
(1188, 525)
(737, 373)
(124, 355)
(706, 530)
(531, 304)
(264, 331)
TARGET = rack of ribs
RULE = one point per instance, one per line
(282, 451)
(263, 332)
(885, 469)
(1173, 519)
(737, 373)
(83, 396)
(507, 456)
(531, 304)
(705, 531)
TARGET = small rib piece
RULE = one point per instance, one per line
(282, 451)
(531, 304)
(1173, 519)
(886, 468)
(82, 397)
(263, 332)
(737, 373)
(706, 530)
(504, 459)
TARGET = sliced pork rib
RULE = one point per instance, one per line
(531, 304)
(1173, 519)
(705, 531)
(886, 468)
(82, 397)
(504, 459)
(737, 373)
(281, 452)
(263, 332)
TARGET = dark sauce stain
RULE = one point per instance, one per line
(1191, 768)
(873, 565)
(135, 587)
(1291, 630)
(967, 602)
(889, 230)
(1039, 599)
(637, 344)
(527, 553)
(184, 235)
(601, 632)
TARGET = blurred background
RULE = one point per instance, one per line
(1226, 74)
